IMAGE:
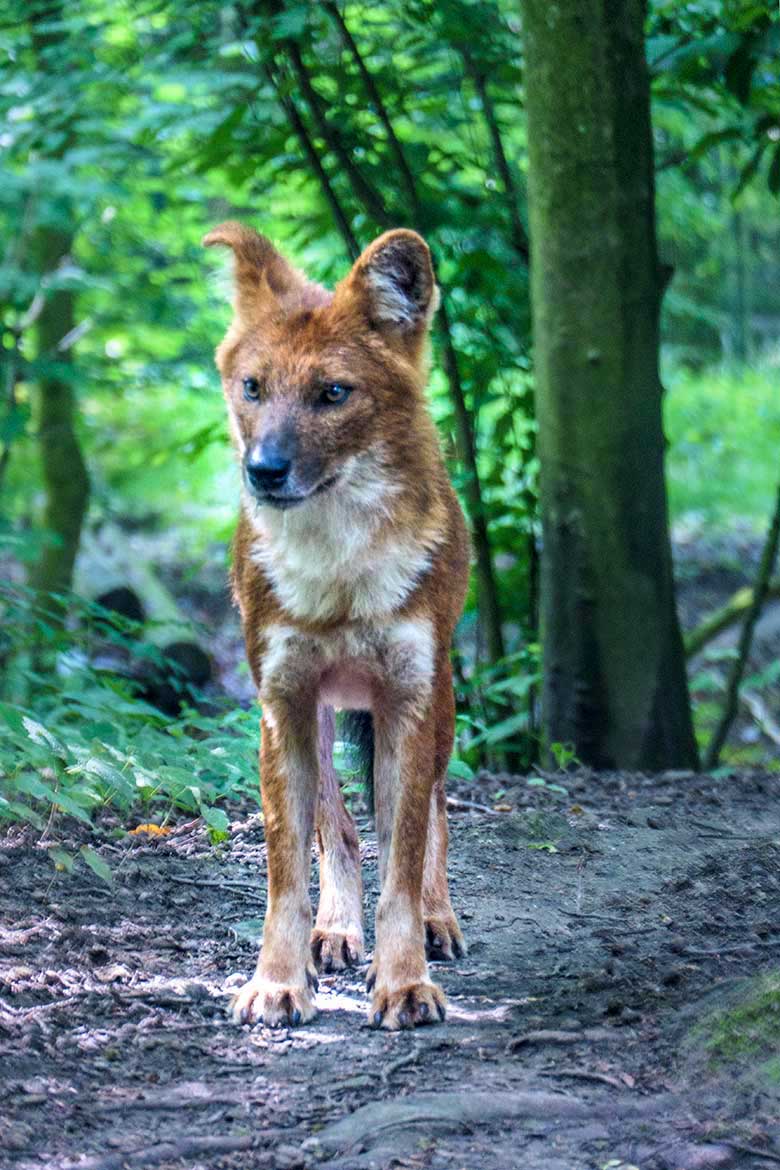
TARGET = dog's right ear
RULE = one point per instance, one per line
(263, 280)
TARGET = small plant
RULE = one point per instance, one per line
(564, 755)
(75, 739)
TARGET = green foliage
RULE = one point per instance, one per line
(77, 738)
(724, 433)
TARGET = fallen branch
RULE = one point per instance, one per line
(166, 1152)
(725, 617)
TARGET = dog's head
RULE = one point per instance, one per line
(317, 382)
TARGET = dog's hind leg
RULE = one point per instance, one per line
(337, 938)
(443, 936)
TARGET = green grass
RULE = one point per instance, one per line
(748, 1029)
(724, 437)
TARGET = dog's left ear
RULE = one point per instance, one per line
(394, 285)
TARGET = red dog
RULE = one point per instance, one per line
(351, 565)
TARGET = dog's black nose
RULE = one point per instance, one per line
(267, 467)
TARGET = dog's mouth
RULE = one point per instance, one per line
(282, 501)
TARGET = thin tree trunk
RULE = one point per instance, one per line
(614, 681)
(760, 593)
(10, 360)
(65, 477)
(309, 150)
(519, 237)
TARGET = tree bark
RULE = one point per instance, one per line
(614, 683)
(65, 477)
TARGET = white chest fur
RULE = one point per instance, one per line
(331, 556)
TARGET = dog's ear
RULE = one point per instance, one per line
(393, 284)
(263, 280)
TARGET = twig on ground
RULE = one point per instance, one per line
(734, 949)
(754, 1150)
(247, 890)
(583, 1075)
(401, 1062)
(577, 914)
(456, 802)
(552, 1036)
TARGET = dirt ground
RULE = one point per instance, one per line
(603, 923)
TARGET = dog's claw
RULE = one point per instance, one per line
(443, 939)
(408, 1006)
(276, 1006)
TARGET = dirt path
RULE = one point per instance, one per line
(602, 923)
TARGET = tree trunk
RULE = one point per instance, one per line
(614, 681)
(65, 477)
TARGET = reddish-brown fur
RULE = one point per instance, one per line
(350, 579)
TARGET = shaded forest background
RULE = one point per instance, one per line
(127, 131)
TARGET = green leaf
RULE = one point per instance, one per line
(62, 860)
(40, 735)
(215, 818)
(460, 769)
(97, 864)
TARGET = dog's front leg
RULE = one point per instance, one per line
(403, 993)
(282, 989)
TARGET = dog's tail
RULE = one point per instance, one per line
(357, 729)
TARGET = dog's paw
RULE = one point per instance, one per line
(443, 937)
(408, 1006)
(278, 1005)
(335, 950)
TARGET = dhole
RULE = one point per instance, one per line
(351, 564)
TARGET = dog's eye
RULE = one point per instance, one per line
(251, 389)
(335, 394)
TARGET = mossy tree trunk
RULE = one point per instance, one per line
(65, 477)
(614, 676)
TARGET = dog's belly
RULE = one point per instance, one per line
(347, 687)
(361, 667)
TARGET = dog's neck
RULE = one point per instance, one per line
(344, 554)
